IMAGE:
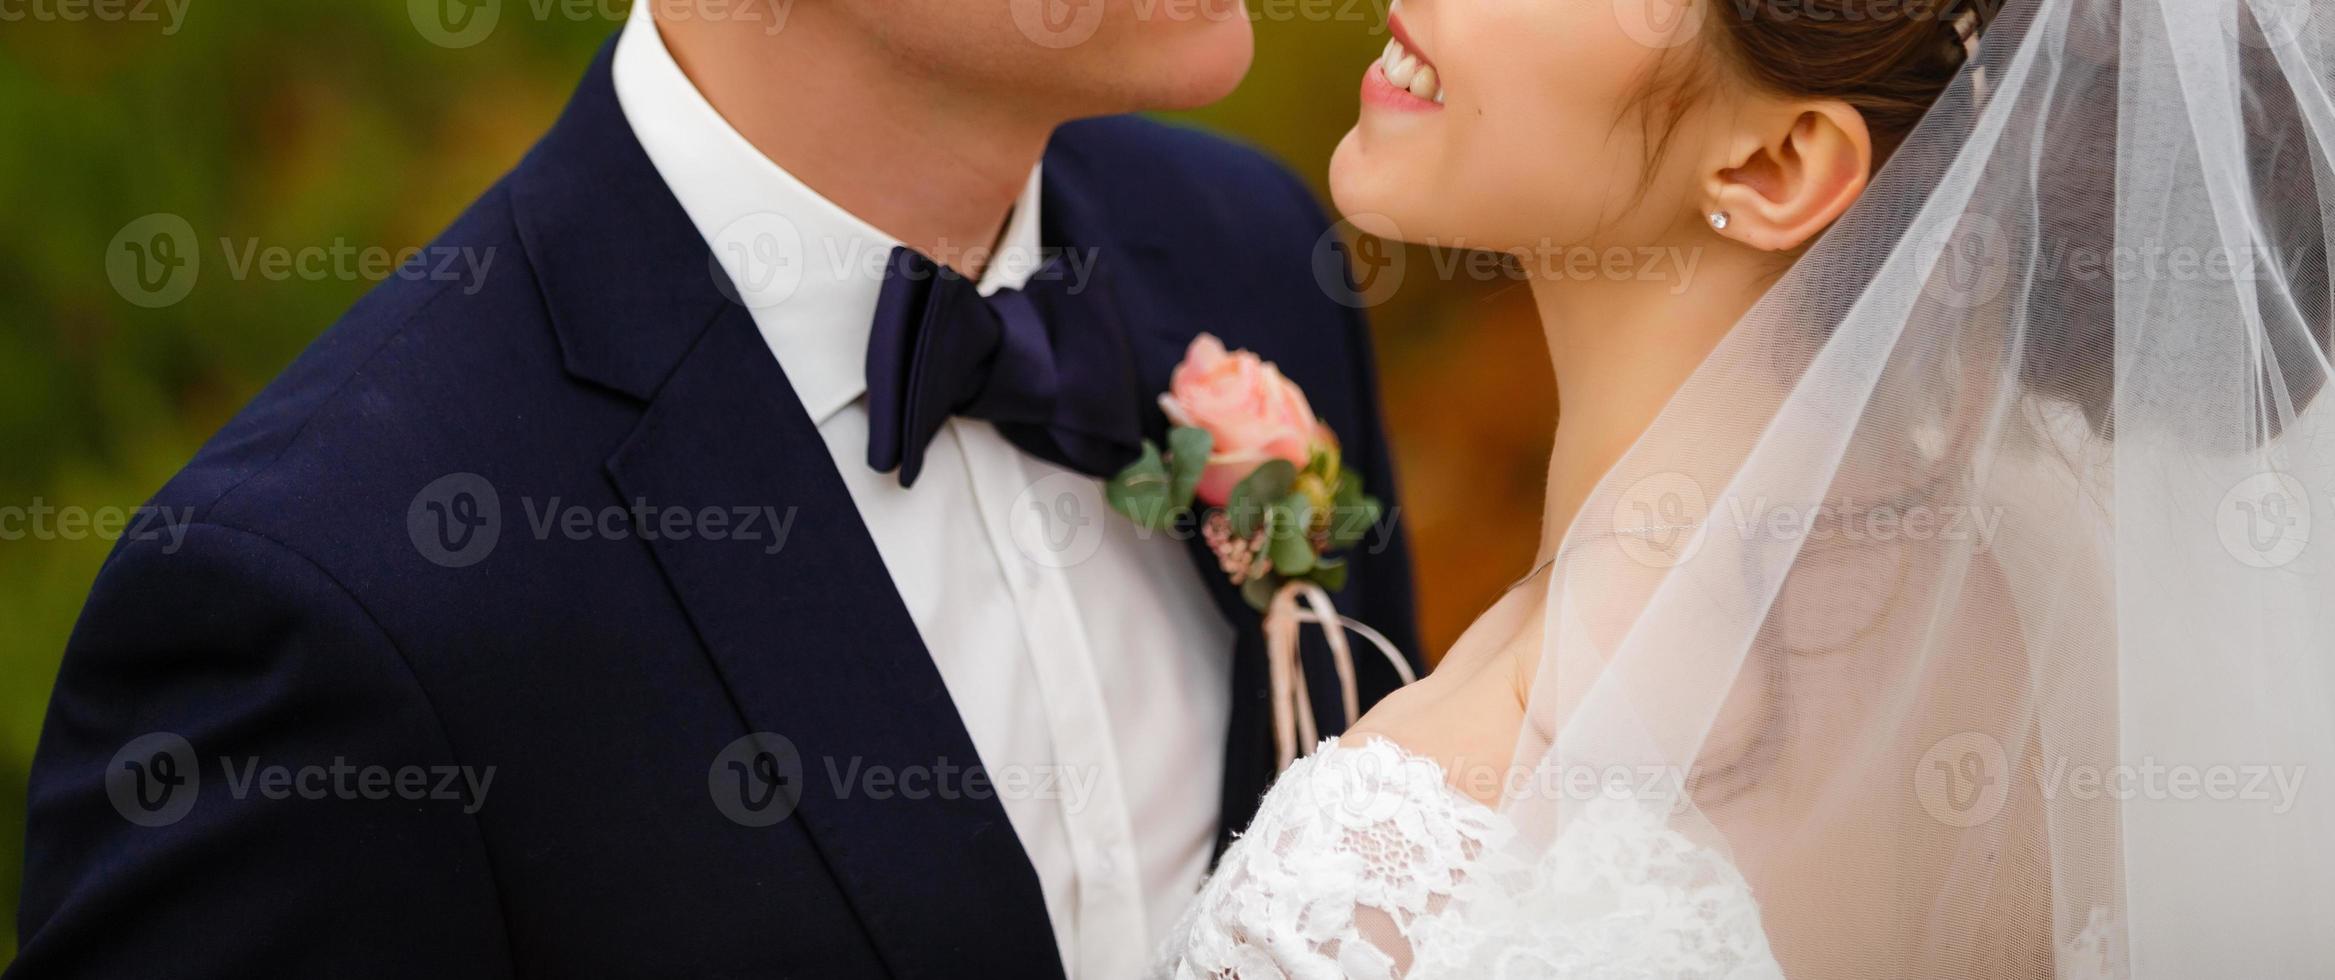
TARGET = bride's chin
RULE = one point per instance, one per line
(1362, 191)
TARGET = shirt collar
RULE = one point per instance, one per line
(809, 270)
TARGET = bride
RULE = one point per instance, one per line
(1927, 582)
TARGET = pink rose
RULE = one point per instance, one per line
(1254, 414)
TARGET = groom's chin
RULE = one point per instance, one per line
(1201, 64)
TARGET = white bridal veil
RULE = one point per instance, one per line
(1976, 598)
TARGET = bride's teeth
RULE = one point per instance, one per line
(1405, 71)
(1400, 74)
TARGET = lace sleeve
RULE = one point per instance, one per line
(1363, 863)
(1353, 851)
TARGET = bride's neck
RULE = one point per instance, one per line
(1622, 342)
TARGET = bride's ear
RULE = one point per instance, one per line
(1788, 173)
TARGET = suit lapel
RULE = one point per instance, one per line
(813, 643)
(816, 646)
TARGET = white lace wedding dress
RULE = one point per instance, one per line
(1364, 862)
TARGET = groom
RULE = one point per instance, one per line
(715, 591)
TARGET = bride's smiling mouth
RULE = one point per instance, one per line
(1402, 77)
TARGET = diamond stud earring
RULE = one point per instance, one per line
(1719, 220)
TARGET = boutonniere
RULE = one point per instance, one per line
(1276, 502)
(1263, 480)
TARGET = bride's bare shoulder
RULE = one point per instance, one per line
(1464, 716)
(1466, 713)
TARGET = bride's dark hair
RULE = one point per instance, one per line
(1888, 59)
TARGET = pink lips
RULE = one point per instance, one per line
(1378, 90)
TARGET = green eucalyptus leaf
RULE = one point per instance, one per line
(1188, 449)
(1256, 492)
(1291, 549)
(1142, 491)
(1296, 508)
(1355, 514)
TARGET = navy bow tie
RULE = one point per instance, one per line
(1046, 364)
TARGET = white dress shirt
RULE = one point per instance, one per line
(1085, 660)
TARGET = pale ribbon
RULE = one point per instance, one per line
(1293, 722)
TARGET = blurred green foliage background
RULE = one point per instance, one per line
(299, 124)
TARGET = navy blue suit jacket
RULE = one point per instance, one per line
(307, 622)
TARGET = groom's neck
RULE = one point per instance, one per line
(926, 162)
